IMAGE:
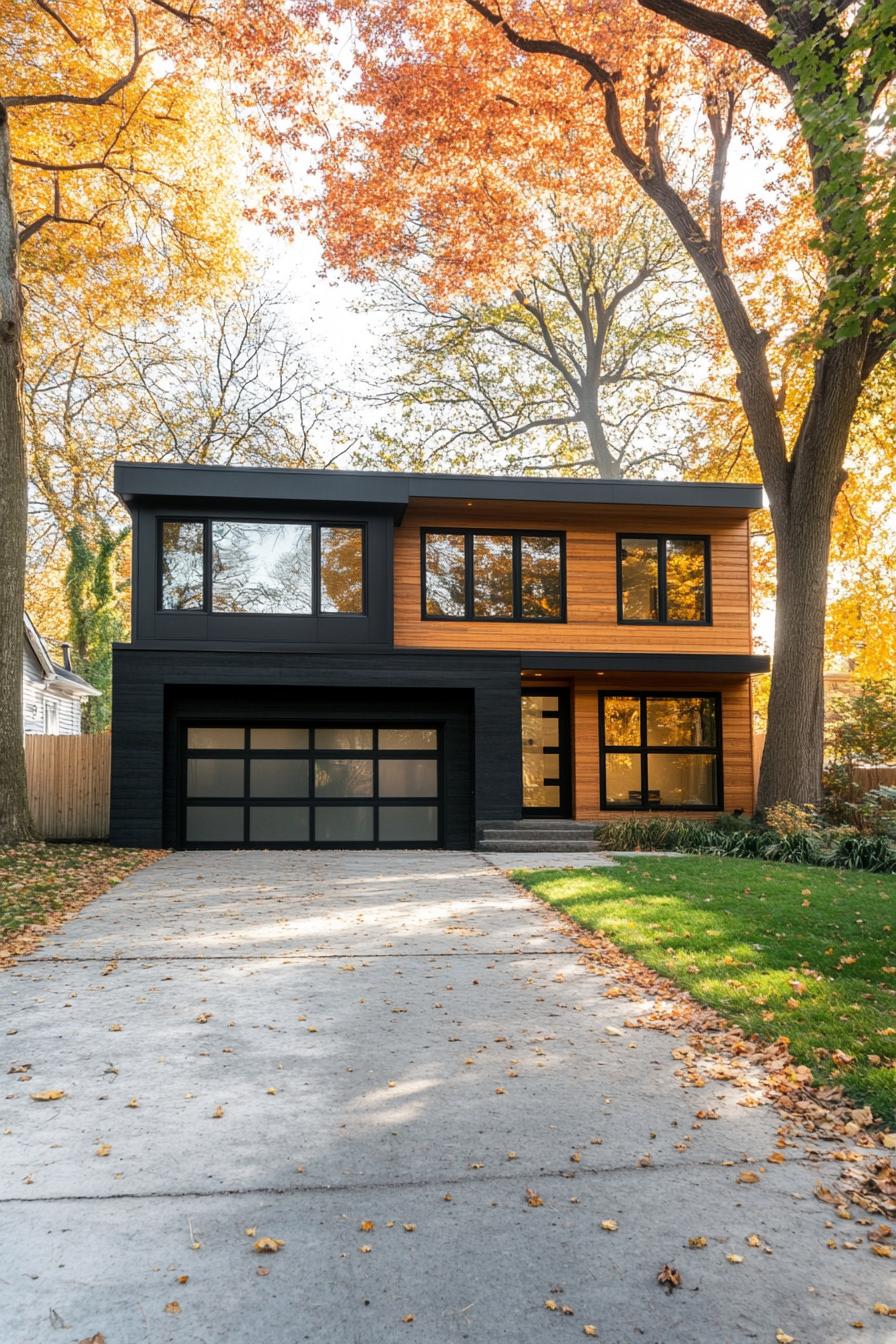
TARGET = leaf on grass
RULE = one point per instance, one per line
(268, 1245)
(56, 1094)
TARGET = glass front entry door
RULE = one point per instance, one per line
(545, 725)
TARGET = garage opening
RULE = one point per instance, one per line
(304, 786)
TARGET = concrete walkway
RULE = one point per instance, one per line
(401, 1041)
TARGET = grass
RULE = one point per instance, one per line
(42, 884)
(806, 953)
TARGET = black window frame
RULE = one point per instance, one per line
(644, 749)
(316, 524)
(516, 534)
(312, 753)
(661, 538)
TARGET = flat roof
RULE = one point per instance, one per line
(392, 491)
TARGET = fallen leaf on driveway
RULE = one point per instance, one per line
(268, 1244)
(697, 1243)
(781, 1338)
(747, 1178)
(590, 1331)
(881, 1309)
(550, 1304)
(534, 1200)
(886, 1252)
(734, 1259)
(204, 1017)
(669, 1278)
(610, 1225)
(367, 1226)
(98, 1338)
(218, 1113)
(55, 1095)
(173, 1308)
(104, 1150)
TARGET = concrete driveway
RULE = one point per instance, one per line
(372, 1057)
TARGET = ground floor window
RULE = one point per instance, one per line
(660, 750)
(302, 785)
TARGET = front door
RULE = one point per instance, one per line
(546, 781)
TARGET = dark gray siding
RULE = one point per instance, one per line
(476, 697)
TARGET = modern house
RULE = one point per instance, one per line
(52, 694)
(325, 658)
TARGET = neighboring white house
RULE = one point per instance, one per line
(52, 695)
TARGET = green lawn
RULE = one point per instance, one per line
(42, 884)
(806, 953)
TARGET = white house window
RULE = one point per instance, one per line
(51, 716)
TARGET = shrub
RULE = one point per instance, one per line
(791, 819)
(843, 847)
(871, 853)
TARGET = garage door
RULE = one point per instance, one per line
(311, 786)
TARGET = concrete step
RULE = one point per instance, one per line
(511, 837)
(538, 823)
(527, 846)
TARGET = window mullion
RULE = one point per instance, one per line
(468, 575)
(516, 547)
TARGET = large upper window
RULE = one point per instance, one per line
(493, 576)
(659, 751)
(663, 580)
(262, 568)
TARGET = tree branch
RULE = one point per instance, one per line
(83, 100)
(57, 18)
(722, 27)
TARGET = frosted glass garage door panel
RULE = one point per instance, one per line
(216, 739)
(215, 777)
(284, 778)
(408, 779)
(215, 825)
(411, 825)
(349, 825)
(279, 825)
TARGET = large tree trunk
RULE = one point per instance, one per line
(792, 759)
(802, 507)
(15, 822)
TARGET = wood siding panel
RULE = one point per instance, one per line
(68, 785)
(737, 737)
(591, 623)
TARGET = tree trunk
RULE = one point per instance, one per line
(606, 463)
(792, 759)
(15, 821)
(802, 507)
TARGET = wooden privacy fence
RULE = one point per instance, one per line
(68, 785)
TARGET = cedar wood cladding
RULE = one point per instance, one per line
(591, 623)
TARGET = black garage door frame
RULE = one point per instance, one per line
(312, 753)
